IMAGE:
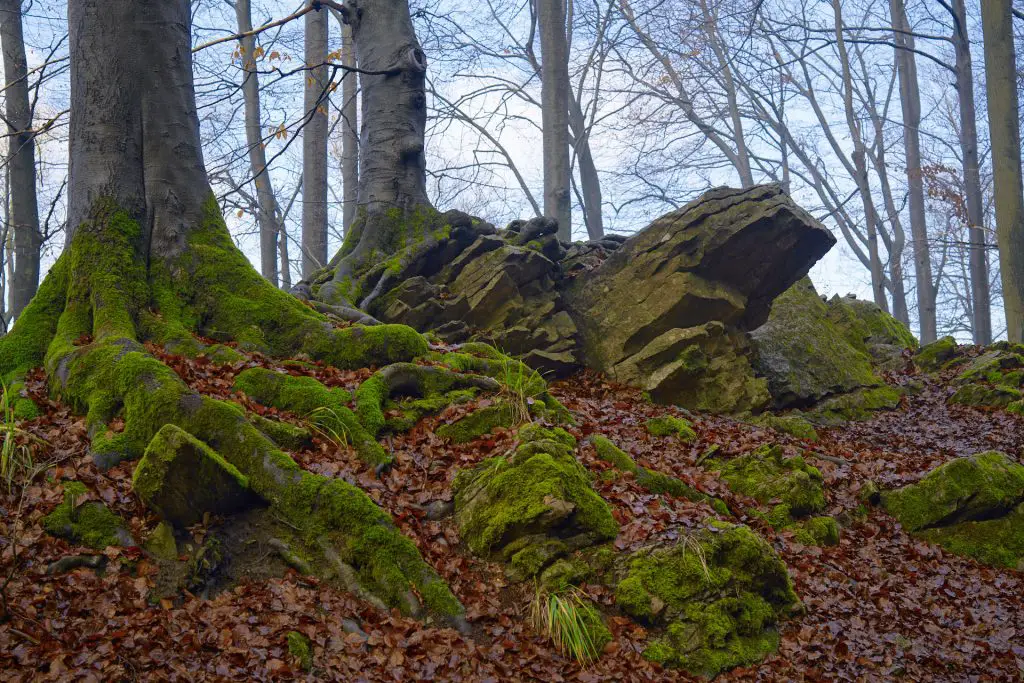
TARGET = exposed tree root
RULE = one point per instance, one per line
(87, 327)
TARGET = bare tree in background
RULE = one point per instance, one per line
(21, 160)
(1004, 130)
(910, 99)
(551, 19)
(268, 214)
(314, 145)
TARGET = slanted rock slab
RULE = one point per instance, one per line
(182, 479)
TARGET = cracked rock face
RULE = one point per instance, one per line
(667, 309)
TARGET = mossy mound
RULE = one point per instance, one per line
(971, 506)
(997, 366)
(792, 487)
(669, 425)
(300, 647)
(937, 355)
(857, 405)
(985, 396)
(541, 494)
(284, 434)
(793, 424)
(871, 330)
(183, 479)
(719, 594)
(91, 523)
(479, 422)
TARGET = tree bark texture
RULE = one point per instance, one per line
(1004, 129)
(555, 114)
(910, 99)
(314, 145)
(267, 211)
(21, 160)
(980, 296)
(350, 129)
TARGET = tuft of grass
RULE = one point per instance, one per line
(521, 386)
(323, 420)
(571, 622)
(15, 449)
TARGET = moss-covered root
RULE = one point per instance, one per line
(719, 593)
(325, 408)
(409, 379)
(653, 481)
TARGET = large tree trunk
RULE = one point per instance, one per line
(267, 216)
(21, 160)
(980, 298)
(1004, 129)
(910, 98)
(555, 114)
(151, 261)
(590, 181)
(349, 129)
(314, 146)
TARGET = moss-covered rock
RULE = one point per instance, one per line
(284, 434)
(993, 366)
(997, 542)
(938, 354)
(815, 531)
(982, 486)
(861, 404)
(481, 421)
(870, 329)
(564, 573)
(182, 479)
(985, 396)
(719, 595)
(541, 491)
(803, 353)
(669, 425)
(89, 523)
(792, 424)
(161, 542)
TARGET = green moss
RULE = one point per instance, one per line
(794, 425)
(609, 452)
(719, 593)
(863, 323)
(984, 396)
(535, 432)
(959, 490)
(766, 476)
(671, 426)
(161, 542)
(936, 355)
(816, 531)
(856, 405)
(565, 573)
(653, 481)
(91, 524)
(994, 366)
(284, 434)
(541, 488)
(479, 422)
(24, 347)
(528, 561)
(300, 647)
(323, 407)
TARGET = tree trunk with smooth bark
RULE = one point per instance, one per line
(350, 129)
(1004, 130)
(555, 114)
(314, 144)
(150, 261)
(981, 303)
(267, 210)
(21, 160)
(910, 99)
(590, 181)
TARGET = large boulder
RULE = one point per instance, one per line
(803, 354)
(972, 506)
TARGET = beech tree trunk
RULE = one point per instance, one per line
(268, 214)
(590, 181)
(910, 99)
(980, 297)
(21, 160)
(555, 114)
(1004, 130)
(349, 130)
(314, 145)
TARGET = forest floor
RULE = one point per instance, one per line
(879, 606)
